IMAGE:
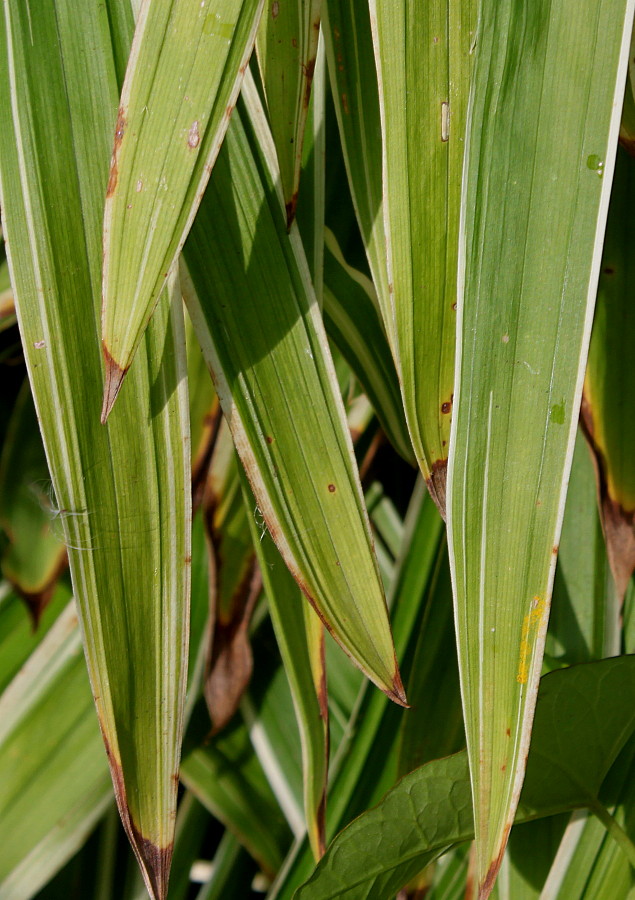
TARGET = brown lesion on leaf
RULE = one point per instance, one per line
(618, 523)
(437, 483)
(113, 380)
(154, 861)
(486, 886)
(120, 128)
(37, 600)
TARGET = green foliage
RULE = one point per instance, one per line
(381, 230)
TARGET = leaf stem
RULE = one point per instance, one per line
(615, 830)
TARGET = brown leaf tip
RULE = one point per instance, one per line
(436, 483)
(155, 863)
(398, 693)
(487, 884)
(113, 380)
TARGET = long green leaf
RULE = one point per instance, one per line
(258, 324)
(349, 52)
(430, 809)
(423, 64)
(122, 491)
(183, 77)
(54, 782)
(534, 208)
(287, 49)
(300, 637)
(609, 386)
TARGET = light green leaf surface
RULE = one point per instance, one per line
(423, 63)
(183, 77)
(300, 637)
(54, 782)
(534, 207)
(277, 387)
(123, 491)
(36, 555)
(287, 48)
(609, 387)
(352, 320)
(430, 809)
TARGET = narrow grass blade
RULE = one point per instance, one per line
(235, 583)
(423, 64)
(351, 65)
(123, 491)
(287, 48)
(259, 326)
(352, 320)
(300, 637)
(609, 386)
(430, 809)
(54, 782)
(534, 208)
(182, 80)
(36, 555)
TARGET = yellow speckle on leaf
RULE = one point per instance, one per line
(531, 623)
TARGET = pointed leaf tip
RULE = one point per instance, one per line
(436, 484)
(155, 863)
(398, 693)
(112, 383)
(486, 886)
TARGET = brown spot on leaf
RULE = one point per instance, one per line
(608, 270)
(120, 128)
(554, 550)
(113, 381)
(269, 439)
(436, 483)
(348, 112)
(112, 178)
(332, 488)
(275, 9)
(446, 407)
(508, 732)
(309, 69)
(188, 560)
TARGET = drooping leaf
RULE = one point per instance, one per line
(534, 206)
(287, 48)
(424, 60)
(276, 385)
(609, 385)
(431, 809)
(36, 555)
(183, 77)
(54, 782)
(124, 490)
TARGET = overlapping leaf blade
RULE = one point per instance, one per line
(277, 387)
(287, 49)
(423, 64)
(53, 773)
(609, 387)
(122, 491)
(534, 207)
(430, 809)
(182, 80)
